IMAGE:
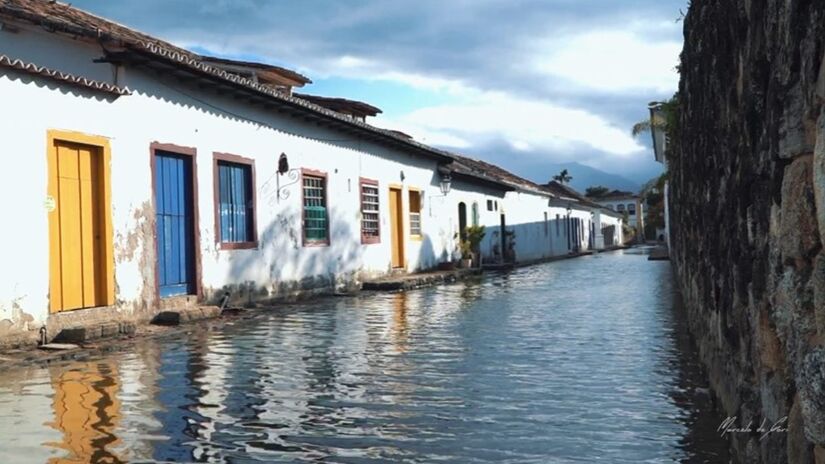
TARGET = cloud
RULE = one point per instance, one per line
(612, 61)
(548, 79)
(528, 125)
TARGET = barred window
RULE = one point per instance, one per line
(415, 213)
(370, 219)
(315, 209)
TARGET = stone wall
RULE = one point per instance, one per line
(747, 173)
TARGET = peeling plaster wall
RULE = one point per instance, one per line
(747, 215)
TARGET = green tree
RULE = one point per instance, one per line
(563, 177)
(596, 191)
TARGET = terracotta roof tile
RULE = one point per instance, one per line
(78, 81)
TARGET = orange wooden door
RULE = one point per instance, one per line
(77, 274)
(396, 228)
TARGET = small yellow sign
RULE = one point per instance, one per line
(50, 204)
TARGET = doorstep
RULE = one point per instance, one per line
(417, 280)
(82, 341)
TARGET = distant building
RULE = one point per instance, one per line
(659, 153)
(625, 202)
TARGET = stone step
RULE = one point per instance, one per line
(182, 315)
(87, 333)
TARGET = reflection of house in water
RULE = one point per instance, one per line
(400, 325)
(87, 411)
(214, 382)
(138, 391)
(178, 389)
(27, 400)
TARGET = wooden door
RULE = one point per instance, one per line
(175, 230)
(462, 221)
(78, 270)
(504, 248)
(396, 228)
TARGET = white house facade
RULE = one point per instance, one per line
(140, 176)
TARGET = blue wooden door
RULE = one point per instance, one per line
(175, 228)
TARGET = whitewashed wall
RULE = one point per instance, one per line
(167, 111)
(632, 220)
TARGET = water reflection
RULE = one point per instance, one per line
(400, 325)
(573, 361)
(86, 412)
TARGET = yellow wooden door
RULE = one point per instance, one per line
(396, 228)
(78, 277)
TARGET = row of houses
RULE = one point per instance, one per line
(142, 176)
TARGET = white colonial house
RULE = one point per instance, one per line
(141, 176)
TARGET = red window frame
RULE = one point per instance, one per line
(313, 173)
(369, 239)
(235, 159)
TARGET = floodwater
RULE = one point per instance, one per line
(579, 360)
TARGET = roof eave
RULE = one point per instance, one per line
(159, 60)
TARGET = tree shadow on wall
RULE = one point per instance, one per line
(284, 266)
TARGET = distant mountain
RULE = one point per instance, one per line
(585, 176)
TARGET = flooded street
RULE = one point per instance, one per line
(572, 361)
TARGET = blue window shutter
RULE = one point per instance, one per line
(235, 200)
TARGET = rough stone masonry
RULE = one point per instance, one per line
(747, 171)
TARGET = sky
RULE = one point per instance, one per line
(521, 83)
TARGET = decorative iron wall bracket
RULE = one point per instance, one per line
(292, 177)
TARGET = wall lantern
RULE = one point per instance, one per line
(446, 183)
(569, 210)
(283, 164)
(592, 215)
(293, 175)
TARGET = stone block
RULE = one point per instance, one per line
(109, 330)
(799, 449)
(75, 335)
(812, 395)
(127, 328)
(167, 318)
(818, 281)
(798, 228)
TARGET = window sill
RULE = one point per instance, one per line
(237, 245)
(315, 243)
(416, 237)
(370, 241)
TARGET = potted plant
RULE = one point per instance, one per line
(469, 245)
(466, 250)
